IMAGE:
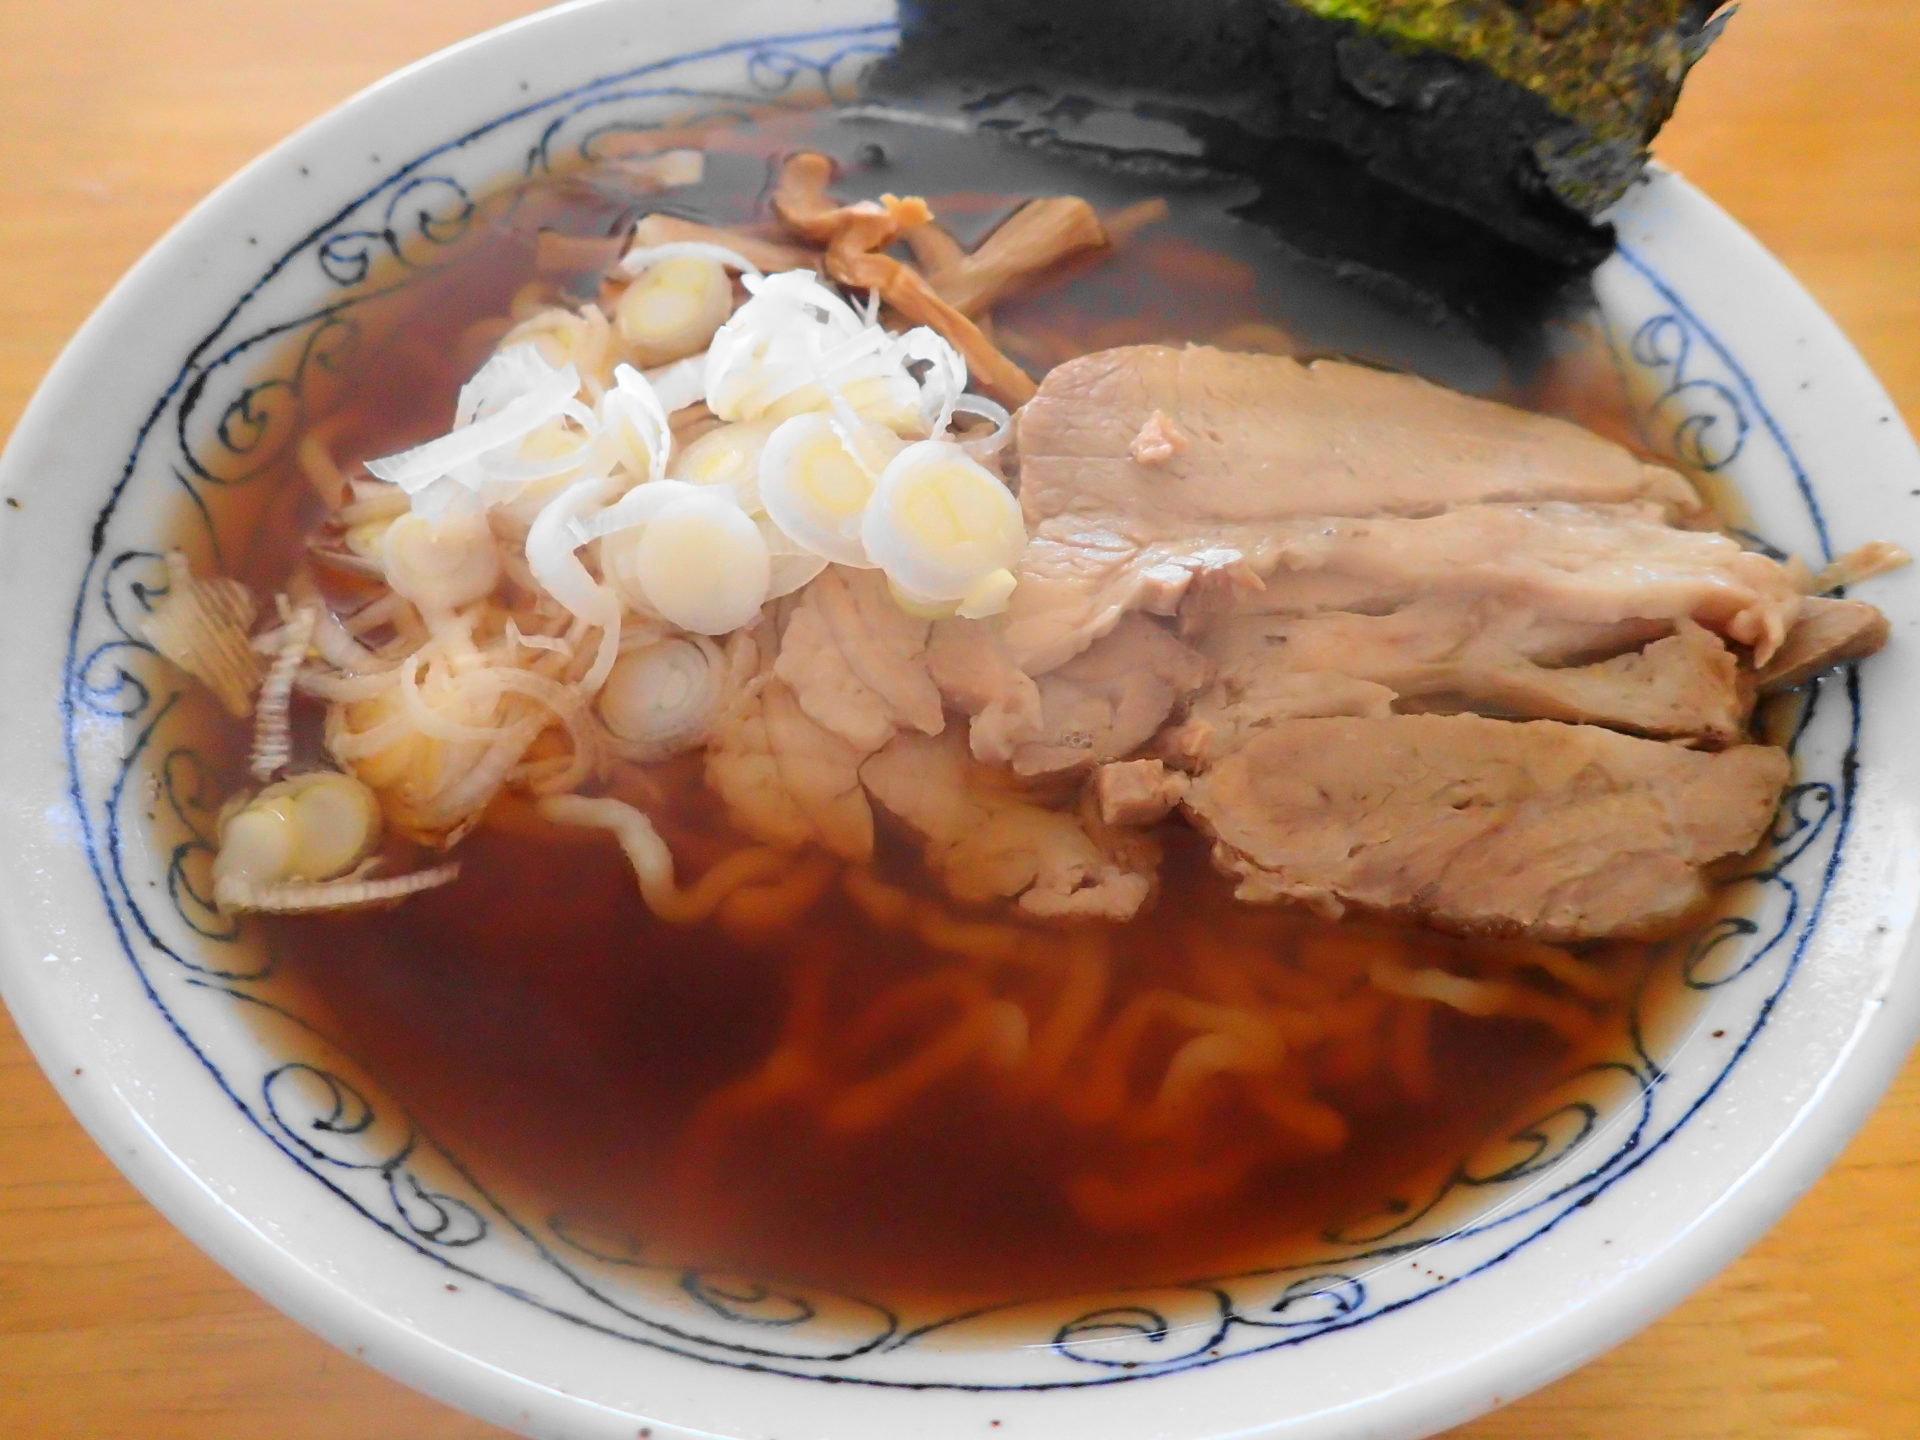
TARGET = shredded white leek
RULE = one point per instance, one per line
(644, 257)
(515, 394)
(201, 626)
(272, 737)
(297, 897)
(797, 338)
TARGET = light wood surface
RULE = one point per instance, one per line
(115, 118)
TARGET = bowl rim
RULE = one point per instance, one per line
(350, 1321)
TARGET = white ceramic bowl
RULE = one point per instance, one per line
(1636, 1181)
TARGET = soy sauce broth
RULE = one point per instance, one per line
(563, 1046)
(541, 1026)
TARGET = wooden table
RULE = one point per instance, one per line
(116, 117)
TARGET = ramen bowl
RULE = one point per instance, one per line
(1754, 1058)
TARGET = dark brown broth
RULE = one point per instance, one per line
(548, 1032)
(558, 1041)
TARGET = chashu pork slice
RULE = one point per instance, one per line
(1590, 564)
(1267, 442)
(987, 838)
(1447, 655)
(856, 662)
(1105, 703)
(784, 779)
(1558, 832)
(1111, 699)
(1829, 632)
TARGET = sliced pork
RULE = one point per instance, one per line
(986, 838)
(1268, 438)
(1137, 792)
(786, 779)
(1269, 443)
(1598, 565)
(969, 663)
(857, 662)
(1561, 832)
(1828, 633)
(1105, 703)
(1110, 700)
(1442, 654)
(1391, 647)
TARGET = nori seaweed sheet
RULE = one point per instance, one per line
(1458, 152)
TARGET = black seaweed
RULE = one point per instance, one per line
(1421, 174)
